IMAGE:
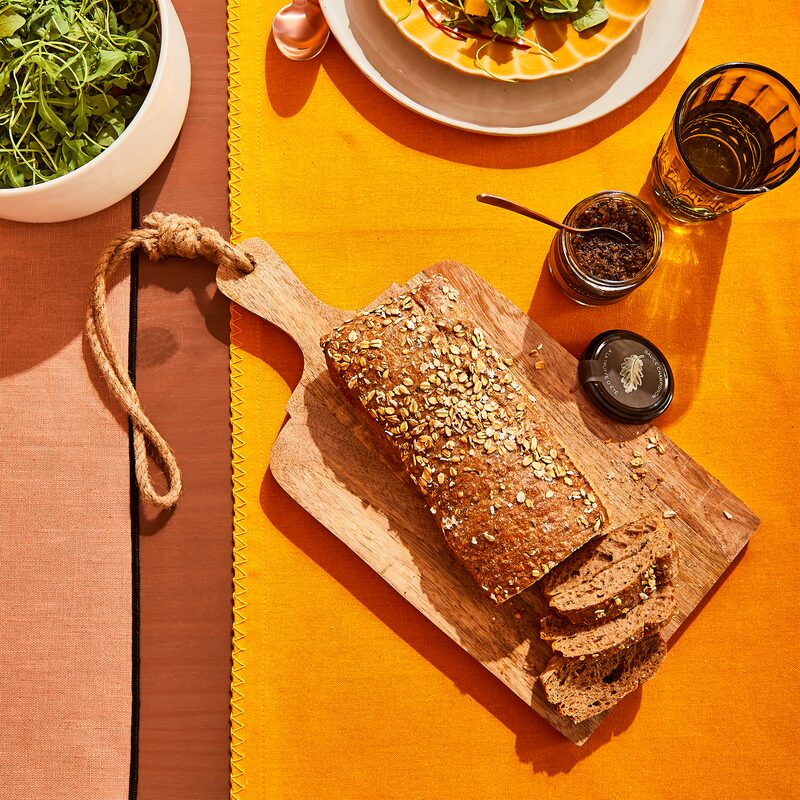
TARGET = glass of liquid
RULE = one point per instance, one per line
(734, 136)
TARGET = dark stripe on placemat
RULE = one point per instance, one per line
(134, 511)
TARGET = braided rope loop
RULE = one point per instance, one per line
(161, 236)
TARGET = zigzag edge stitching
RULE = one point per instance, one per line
(237, 429)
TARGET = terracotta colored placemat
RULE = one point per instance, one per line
(65, 534)
(341, 689)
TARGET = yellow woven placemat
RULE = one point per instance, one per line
(340, 688)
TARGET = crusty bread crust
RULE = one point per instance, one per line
(509, 501)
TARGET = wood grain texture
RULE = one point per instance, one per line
(324, 459)
(182, 377)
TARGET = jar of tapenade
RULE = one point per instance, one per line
(597, 269)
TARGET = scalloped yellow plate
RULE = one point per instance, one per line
(570, 50)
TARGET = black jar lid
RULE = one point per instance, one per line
(626, 376)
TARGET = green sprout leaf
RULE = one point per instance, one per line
(590, 13)
(73, 74)
(505, 27)
(10, 22)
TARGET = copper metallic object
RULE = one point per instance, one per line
(300, 30)
(508, 205)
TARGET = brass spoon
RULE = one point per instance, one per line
(300, 30)
(508, 205)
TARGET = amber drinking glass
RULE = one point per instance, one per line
(734, 136)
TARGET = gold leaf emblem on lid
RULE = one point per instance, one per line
(631, 372)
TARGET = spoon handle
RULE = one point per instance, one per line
(501, 202)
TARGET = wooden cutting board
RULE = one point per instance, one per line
(324, 459)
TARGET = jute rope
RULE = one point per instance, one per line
(161, 236)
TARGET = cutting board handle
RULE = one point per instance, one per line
(275, 293)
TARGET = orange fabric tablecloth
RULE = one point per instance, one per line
(341, 689)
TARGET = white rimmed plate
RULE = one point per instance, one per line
(433, 90)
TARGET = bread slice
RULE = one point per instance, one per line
(606, 638)
(583, 689)
(608, 576)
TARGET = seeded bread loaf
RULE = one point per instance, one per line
(604, 638)
(583, 689)
(507, 498)
(609, 576)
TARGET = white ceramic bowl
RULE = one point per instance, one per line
(132, 158)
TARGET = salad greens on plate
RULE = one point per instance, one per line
(583, 14)
(509, 19)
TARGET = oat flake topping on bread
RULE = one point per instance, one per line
(509, 501)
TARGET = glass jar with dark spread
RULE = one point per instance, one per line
(596, 269)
